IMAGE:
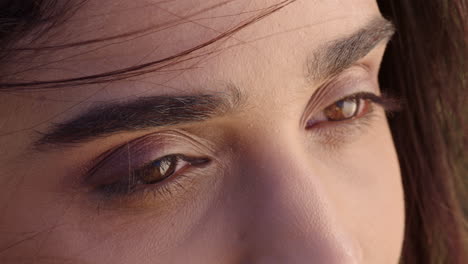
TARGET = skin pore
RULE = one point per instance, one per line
(259, 173)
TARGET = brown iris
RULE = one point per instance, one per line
(157, 170)
(342, 110)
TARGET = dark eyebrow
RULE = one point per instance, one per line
(143, 113)
(338, 55)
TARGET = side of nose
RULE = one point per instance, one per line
(292, 217)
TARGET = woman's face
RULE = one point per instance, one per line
(269, 145)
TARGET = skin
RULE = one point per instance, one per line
(273, 192)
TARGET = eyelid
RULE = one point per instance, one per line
(356, 79)
(121, 186)
(134, 154)
(352, 80)
(331, 135)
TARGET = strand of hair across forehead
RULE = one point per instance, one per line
(145, 68)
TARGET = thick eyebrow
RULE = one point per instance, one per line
(338, 55)
(139, 114)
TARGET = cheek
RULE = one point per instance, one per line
(367, 190)
(28, 221)
(45, 225)
(143, 234)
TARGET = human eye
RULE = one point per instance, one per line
(155, 174)
(349, 108)
(149, 167)
(348, 118)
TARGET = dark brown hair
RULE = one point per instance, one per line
(425, 65)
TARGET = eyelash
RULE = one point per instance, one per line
(333, 132)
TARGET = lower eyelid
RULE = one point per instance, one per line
(150, 196)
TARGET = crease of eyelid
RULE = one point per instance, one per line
(200, 143)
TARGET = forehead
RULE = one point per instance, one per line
(130, 33)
